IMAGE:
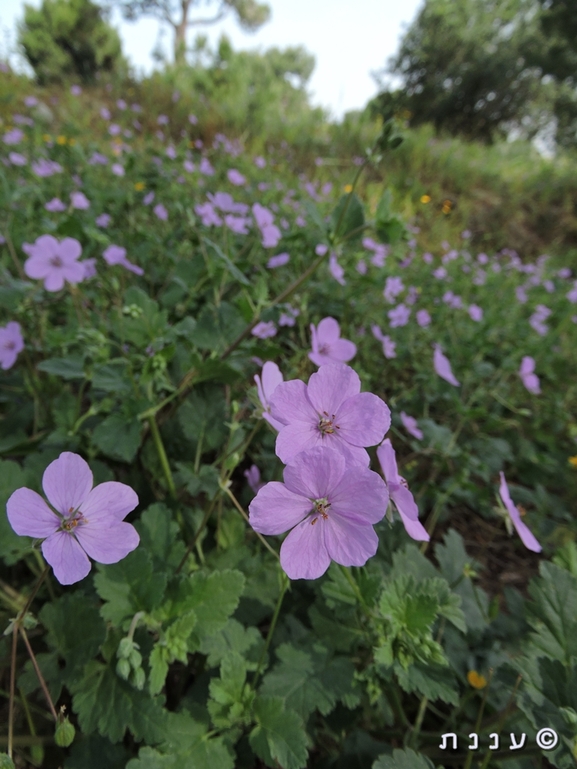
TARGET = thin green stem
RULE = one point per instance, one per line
(284, 585)
(240, 509)
(469, 760)
(199, 531)
(39, 674)
(12, 689)
(157, 438)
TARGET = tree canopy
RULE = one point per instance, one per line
(69, 38)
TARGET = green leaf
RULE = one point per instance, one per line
(229, 703)
(279, 734)
(106, 703)
(75, 631)
(217, 327)
(159, 536)
(202, 417)
(566, 557)
(435, 682)
(233, 637)
(118, 437)
(94, 752)
(553, 613)
(232, 268)
(311, 680)
(112, 377)
(403, 759)
(348, 216)
(12, 477)
(158, 661)
(129, 586)
(67, 368)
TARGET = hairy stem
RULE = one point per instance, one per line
(157, 438)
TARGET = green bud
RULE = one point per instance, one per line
(6, 762)
(64, 734)
(232, 461)
(570, 716)
(135, 659)
(139, 678)
(123, 669)
(125, 648)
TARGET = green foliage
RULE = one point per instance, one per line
(403, 759)
(69, 39)
(279, 734)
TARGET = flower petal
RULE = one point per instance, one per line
(363, 419)
(276, 509)
(328, 331)
(388, 461)
(54, 281)
(303, 554)
(67, 558)
(526, 535)
(109, 500)
(415, 530)
(289, 403)
(297, 437)
(70, 249)
(405, 503)
(443, 367)
(343, 349)
(271, 378)
(107, 543)
(315, 472)
(361, 496)
(67, 482)
(348, 543)
(332, 384)
(30, 516)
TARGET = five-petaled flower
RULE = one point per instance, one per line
(399, 492)
(330, 506)
(328, 347)
(54, 261)
(11, 344)
(266, 384)
(331, 411)
(87, 522)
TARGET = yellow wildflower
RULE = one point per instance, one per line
(46, 137)
(61, 140)
(425, 198)
(72, 142)
(573, 461)
(348, 188)
(139, 186)
(476, 680)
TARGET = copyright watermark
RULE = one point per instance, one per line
(546, 739)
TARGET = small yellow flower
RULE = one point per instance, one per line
(348, 188)
(425, 198)
(72, 142)
(447, 206)
(573, 461)
(61, 140)
(476, 680)
(139, 186)
(46, 137)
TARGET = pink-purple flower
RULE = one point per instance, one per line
(117, 255)
(160, 212)
(528, 376)
(54, 261)
(330, 509)
(389, 346)
(329, 412)
(11, 344)
(443, 367)
(264, 329)
(252, 475)
(423, 318)
(55, 205)
(399, 492)
(399, 316)
(328, 347)
(84, 522)
(527, 537)
(266, 384)
(411, 426)
(79, 200)
(278, 261)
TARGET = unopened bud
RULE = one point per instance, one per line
(135, 659)
(123, 668)
(64, 734)
(139, 679)
(125, 648)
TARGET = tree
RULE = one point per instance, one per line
(463, 68)
(69, 38)
(176, 13)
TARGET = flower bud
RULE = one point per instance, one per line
(135, 659)
(64, 734)
(123, 669)
(125, 648)
(139, 679)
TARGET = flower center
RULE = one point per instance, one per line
(326, 425)
(321, 507)
(10, 345)
(324, 349)
(76, 519)
(56, 261)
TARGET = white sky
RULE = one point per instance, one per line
(349, 38)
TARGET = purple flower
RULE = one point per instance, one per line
(330, 509)
(330, 411)
(399, 316)
(192, 119)
(252, 475)
(423, 318)
(440, 273)
(103, 220)
(97, 159)
(117, 169)
(188, 166)
(75, 90)
(361, 267)
(17, 159)
(527, 537)
(238, 224)
(54, 262)
(278, 261)
(11, 344)
(475, 312)
(321, 249)
(148, 198)
(572, 295)
(521, 294)
(87, 521)
(14, 136)
(207, 214)
(528, 377)
(55, 205)
(162, 120)
(31, 101)
(399, 493)
(411, 426)
(266, 384)
(264, 330)
(79, 200)
(482, 258)
(259, 162)
(170, 152)
(454, 301)
(105, 113)
(117, 255)
(205, 167)
(443, 367)
(428, 258)
(393, 287)
(288, 318)
(235, 177)
(336, 270)
(114, 129)
(45, 168)
(389, 347)
(327, 345)
(536, 321)
(89, 266)
(161, 212)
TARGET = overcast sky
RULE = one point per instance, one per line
(349, 38)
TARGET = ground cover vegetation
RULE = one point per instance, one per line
(288, 434)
